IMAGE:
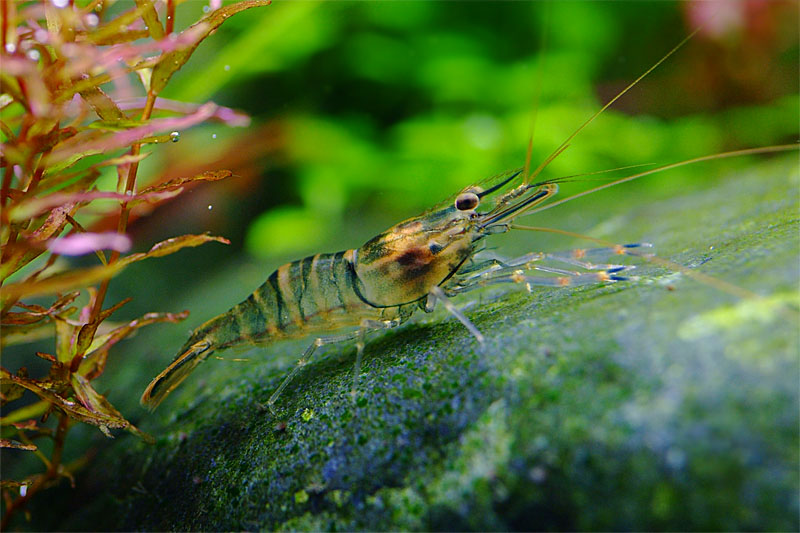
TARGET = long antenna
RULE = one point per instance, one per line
(537, 93)
(723, 155)
(564, 145)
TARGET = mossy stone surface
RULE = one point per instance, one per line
(651, 404)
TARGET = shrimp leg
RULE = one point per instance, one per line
(572, 257)
(308, 355)
(495, 271)
(437, 294)
(367, 325)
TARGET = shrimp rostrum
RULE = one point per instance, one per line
(412, 265)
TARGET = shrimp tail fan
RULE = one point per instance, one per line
(192, 355)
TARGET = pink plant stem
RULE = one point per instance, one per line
(122, 224)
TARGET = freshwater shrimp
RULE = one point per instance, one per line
(411, 266)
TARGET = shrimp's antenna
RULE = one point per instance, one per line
(723, 155)
(583, 176)
(564, 145)
(537, 93)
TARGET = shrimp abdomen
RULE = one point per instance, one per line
(302, 297)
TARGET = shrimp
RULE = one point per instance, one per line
(411, 266)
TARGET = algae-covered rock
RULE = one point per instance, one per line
(655, 403)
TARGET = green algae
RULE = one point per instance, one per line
(658, 403)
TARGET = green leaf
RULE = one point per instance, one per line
(150, 17)
(173, 61)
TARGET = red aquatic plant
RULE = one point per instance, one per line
(80, 97)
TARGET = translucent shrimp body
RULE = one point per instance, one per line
(410, 266)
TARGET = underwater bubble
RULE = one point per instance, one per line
(33, 55)
(11, 48)
(175, 136)
(227, 68)
(213, 135)
(92, 20)
(210, 207)
(60, 3)
(206, 9)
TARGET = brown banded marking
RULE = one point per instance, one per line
(282, 314)
(316, 289)
(286, 287)
(271, 312)
(308, 307)
(325, 291)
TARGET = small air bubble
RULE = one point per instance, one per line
(92, 20)
(206, 9)
(172, 36)
(213, 135)
(175, 136)
(11, 48)
(33, 55)
(23, 490)
(227, 68)
(210, 207)
(60, 3)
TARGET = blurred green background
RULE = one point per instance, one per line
(366, 113)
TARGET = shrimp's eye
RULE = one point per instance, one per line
(467, 201)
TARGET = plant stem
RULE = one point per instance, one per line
(122, 224)
(4, 29)
(41, 482)
(170, 16)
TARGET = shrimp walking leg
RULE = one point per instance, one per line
(361, 335)
(308, 355)
(495, 271)
(532, 261)
(437, 294)
(303, 361)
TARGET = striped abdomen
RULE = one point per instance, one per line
(317, 293)
(313, 294)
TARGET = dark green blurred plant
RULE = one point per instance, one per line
(385, 107)
(65, 118)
